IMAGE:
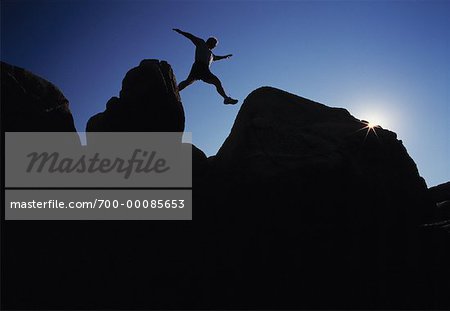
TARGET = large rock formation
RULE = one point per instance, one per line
(441, 193)
(148, 102)
(441, 196)
(32, 104)
(315, 209)
(283, 137)
(32, 248)
(303, 206)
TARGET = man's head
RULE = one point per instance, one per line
(211, 43)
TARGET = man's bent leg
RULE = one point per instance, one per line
(212, 79)
(216, 82)
(185, 83)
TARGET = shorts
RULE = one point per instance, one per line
(200, 71)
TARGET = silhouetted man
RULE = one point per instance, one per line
(200, 69)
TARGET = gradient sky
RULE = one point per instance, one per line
(386, 62)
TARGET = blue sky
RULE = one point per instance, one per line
(386, 62)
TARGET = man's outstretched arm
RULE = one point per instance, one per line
(217, 57)
(188, 35)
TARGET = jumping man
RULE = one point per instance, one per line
(200, 69)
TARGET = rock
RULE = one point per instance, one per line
(33, 104)
(307, 201)
(441, 196)
(440, 193)
(302, 207)
(281, 136)
(148, 102)
(289, 133)
(200, 165)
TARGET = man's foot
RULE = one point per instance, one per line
(230, 101)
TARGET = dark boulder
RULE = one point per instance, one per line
(303, 206)
(441, 196)
(32, 104)
(314, 209)
(283, 137)
(200, 165)
(148, 102)
(440, 193)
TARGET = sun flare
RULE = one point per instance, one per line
(376, 119)
(371, 125)
(376, 113)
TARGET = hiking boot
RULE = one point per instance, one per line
(230, 101)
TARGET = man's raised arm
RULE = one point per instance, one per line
(188, 35)
(217, 57)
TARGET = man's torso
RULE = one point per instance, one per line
(203, 54)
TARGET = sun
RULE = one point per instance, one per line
(371, 125)
(376, 113)
(376, 118)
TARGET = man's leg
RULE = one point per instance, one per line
(212, 79)
(185, 83)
